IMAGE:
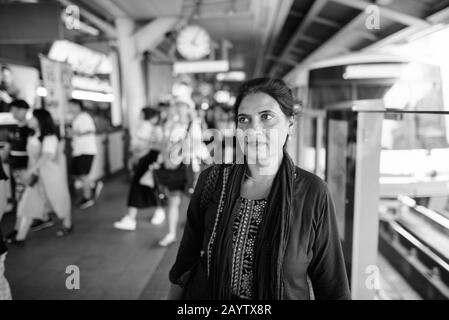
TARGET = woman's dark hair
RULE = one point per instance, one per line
(276, 88)
(149, 113)
(46, 124)
(21, 104)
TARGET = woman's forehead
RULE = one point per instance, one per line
(256, 102)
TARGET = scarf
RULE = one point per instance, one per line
(271, 240)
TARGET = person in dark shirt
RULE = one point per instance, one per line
(5, 292)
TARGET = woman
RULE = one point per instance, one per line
(46, 176)
(182, 153)
(145, 149)
(262, 229)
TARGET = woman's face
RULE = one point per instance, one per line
(263, 127)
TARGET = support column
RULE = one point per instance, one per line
(132, 75)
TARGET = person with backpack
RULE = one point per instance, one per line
(260, 228)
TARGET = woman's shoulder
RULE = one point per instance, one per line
(309, 186)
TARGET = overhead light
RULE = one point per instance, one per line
(92, 96)
(232, 76)
(222, 96)
(41, 91)
(204, 66)
(373, 71)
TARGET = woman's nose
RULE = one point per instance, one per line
(256, 125)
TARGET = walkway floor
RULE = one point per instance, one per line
(113, 264)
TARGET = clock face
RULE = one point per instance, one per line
(193, 42)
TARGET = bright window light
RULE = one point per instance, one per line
(231, 76)
(92, 96)
(373, 71)
(201, 66)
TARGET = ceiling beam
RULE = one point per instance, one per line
(298, 51)
(404, 18)
(280, 16)
(284, 60)
(107, 28)
(367, 35)
(328, 22)
(113, 9)
(311, 14)
(331, 44)
(308, 39)
(296, 14)
(441, 16)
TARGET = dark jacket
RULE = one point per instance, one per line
(313, 250)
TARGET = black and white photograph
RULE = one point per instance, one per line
(239, 151)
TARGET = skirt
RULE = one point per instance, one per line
(141, 196)
(172, 179)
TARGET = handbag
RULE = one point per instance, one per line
(147, 179)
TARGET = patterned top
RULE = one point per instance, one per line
(245, 229)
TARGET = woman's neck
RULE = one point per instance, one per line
(266, 171)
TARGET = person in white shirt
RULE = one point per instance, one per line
(144, 193)
(84, 149)
(46, 178)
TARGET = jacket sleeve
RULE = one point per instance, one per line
(327, 269)
(192, 239)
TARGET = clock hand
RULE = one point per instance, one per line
(195, 37)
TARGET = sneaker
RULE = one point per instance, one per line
(41, 224)
(97, 189)
(167, 240)
(86, 203)
(63, 231)
(158, 216)
(126, 223)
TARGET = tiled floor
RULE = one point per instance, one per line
(113, 264)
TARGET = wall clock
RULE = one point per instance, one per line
(193, 42)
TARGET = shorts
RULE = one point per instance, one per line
(82, 164)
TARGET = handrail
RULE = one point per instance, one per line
(428, 213)
(419, 245)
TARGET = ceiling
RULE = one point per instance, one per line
(245, 24)
(276, 37)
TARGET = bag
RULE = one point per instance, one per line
(33, 180)
(147, 179)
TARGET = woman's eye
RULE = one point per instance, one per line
(267, 116)
(243, 120)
